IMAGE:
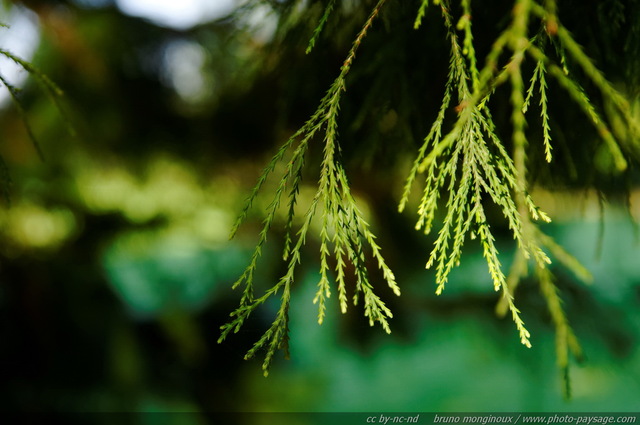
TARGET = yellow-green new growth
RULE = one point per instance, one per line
(343, 225)
(471, 163)
(466, 168)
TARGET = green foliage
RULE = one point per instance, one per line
(344, 231)
(323, 21)
(466, 162)
(118, 245)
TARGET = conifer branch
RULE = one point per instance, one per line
(566, 341)
(51, 89)
(469, 160)
(424, 4)
(579, 96)
(490, 171)
(343, 224)
(539, 78)
(318, 30)
(14, 93)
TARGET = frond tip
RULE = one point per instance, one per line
(318, 30)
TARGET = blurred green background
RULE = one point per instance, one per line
(115, 263)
